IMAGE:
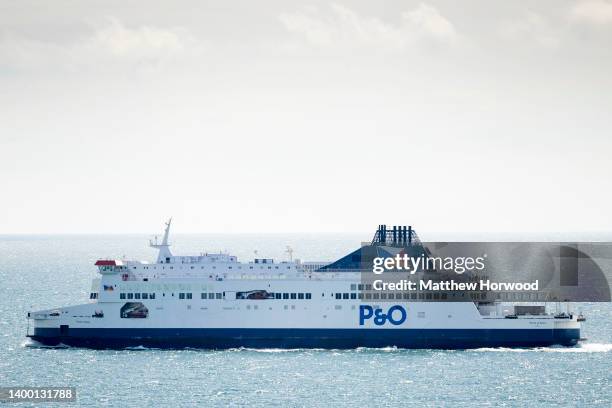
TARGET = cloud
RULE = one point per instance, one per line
(431, 22)
(532, 28)
(344, 28)
(111, 45)
(140, 41)
(597, 12)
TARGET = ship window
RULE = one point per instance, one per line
(360, 296)
(436, 296)
(375, 296)
(203, 295)
(413, 296)
(219, 296)
(383, 295)
(189, 295)
(278, 295)
(428, 296)
(151, 295)
(391, 296)
(285, 296)
(308, 296)
(360, 286)
(136, 295)
(122, 296)
(368, 287)
(345, 296)
(338, 295)
(421, 296)
(368, 296)
(421, 314)
(250, 267)
(293, 296)
(130, 296)
(353, 296)
(353, 286)
(300, 296)
(181, 296)
(145, 295)
(406, 295)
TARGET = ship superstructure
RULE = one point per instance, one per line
(214, 301)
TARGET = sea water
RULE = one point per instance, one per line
(39, 272)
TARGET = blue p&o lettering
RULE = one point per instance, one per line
(366, 312)
(399, 321)
(363, 316)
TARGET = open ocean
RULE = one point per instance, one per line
(38, 272)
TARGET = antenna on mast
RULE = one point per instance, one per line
(164, 248)
(290, 252)
(166, 232)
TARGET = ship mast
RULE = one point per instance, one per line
(164, 248)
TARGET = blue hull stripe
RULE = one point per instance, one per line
(307, 338)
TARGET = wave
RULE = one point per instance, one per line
(276, 350)
(383, 349)
(137, 348)
(29, 343)
(582, 348)
(288, 350)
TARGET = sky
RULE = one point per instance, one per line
(286, 116)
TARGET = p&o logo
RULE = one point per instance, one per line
(396, 315)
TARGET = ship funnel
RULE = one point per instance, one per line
(398, 235)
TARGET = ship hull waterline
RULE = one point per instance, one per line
(207, 338)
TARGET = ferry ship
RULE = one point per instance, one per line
(214, 301)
